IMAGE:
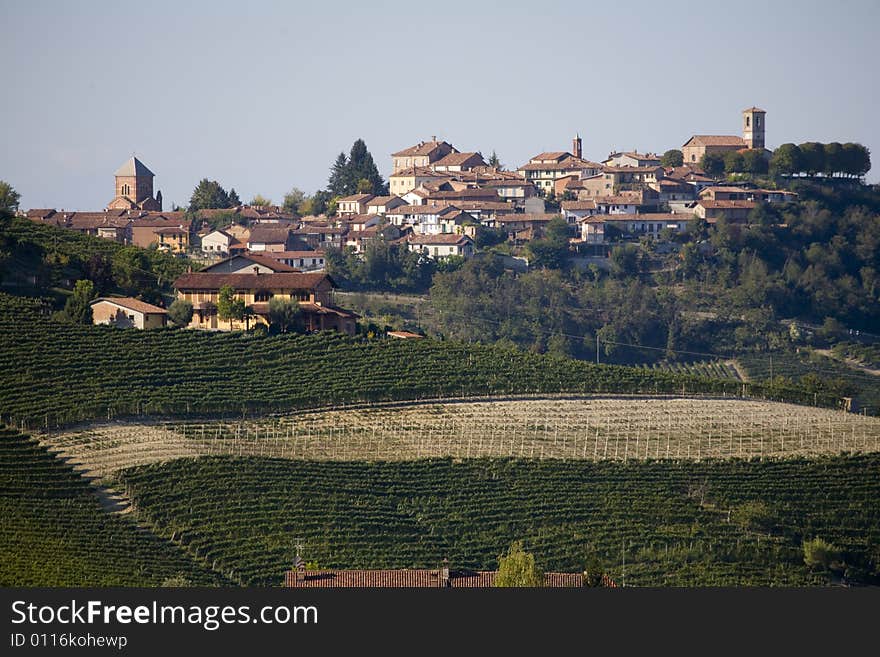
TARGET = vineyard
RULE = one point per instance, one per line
(55, 532)
(594, 428)
(649, 522)
(866, 387)
(57, 374)
(713, 369)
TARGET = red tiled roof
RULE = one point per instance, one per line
(357, 198)
(579, 205)
(441, 239)
(240, 281)
(458, 159)
(259, 258)
(132, 304)
(719, 205)
(423, 148)
(715, 140)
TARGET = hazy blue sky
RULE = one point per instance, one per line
(261, 96)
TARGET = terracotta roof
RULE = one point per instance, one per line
(717, 205)
(579, 205)
(526, 217)
(466, 193)
(625, 169)
(568, 164)
(646, 216)
(357, 198)
(269, 234)
(40, 213)
(405, 335)
(159, 221)
(258, 258)
(754, 109)
(361, 218)
(457, 159)
(441, 239)
(171, 230)
(423, 148)
(286, 280)
(716, 140)
(277, 255)
(382, 200)
(436, 208)
(552, 155)
(725, 189)
(132, 304)
(423, 172)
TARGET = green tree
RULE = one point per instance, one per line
(754, 162)
(856, 160)
(362, 167)
(208, 194)
(260, 200)
(517, 568)
(834, 158)
(495, 162)
(813, 157)
(230, 308)
(712, 164)
(364, 186)
(293, 199)
(284, 314)
(339, 181)
(821, 555)
(234, 201)
(131, 270)
(787, 160)
(8, 198)
(78, 309)
(672, 158)
(552, 250)
(625, 260)
(734, 162)
(180, 312)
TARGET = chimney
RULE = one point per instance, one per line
(433, 137)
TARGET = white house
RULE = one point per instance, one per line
(383, 204)
(217, 242)
(126, 312)
(574, 211)
(442, 246)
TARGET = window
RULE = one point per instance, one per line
(126, 190)
(748, 121)
(262, 295)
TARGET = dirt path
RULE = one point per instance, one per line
(848, 361)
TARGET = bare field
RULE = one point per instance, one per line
(619, 428)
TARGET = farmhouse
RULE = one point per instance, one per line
(311, 290)
(442, 245)
(126, 312)
(250, 263)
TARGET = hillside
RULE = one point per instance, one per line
(675, 523)
(56, 374)
(55, 532)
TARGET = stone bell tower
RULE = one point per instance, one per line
(753, 127)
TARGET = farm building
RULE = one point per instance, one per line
(126, 312)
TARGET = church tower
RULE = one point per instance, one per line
(753, 127)
(577, 146)
(134, 187)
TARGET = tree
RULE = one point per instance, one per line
(672, 158)
(787, 160)
(517, 569)
(856, 159)
(495, 162)
(234, 201)
(228, 307)
(208, 194)
(754, 162)
(625, 260)
(813, 157)
(78, 308)
(821, 555)
(712, 164)
(293, 199)
(551, 251)
(364, 186)
(338, 182)
(733, 162)
(180, 312)
(8, 198)
(131, 269)
(260, 200)
(284, 314)
(834, 159)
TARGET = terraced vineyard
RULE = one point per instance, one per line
(55, 532)
(673, 523)
(717, 369)
(57, 374)
(794, 366)
(594, 428)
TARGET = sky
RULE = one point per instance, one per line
(262, 96)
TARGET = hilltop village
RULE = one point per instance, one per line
(442, 204)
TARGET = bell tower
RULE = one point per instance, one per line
(577, 146)
(753, 127)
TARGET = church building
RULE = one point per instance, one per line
(134, 188)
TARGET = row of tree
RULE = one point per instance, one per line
(849, 160)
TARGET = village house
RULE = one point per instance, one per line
(249, 263)
(359, 222)
(311, 290)
(545, 168)
(126, 312)
(381, 205)
(270, 237)
(440, 246)
(405, 180)
(145, 231)
(594, 229)
(627, 202)
(134, 188)
(217, 242)
(355, 204)
(300, 260)
(752, 138)
(420, 215)
(317, 236)
(422, 154)
(513, 190)
(671, 189)
(632, 159)
(359, 240)
(731, 210)
(458, 162)
(574, 211)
